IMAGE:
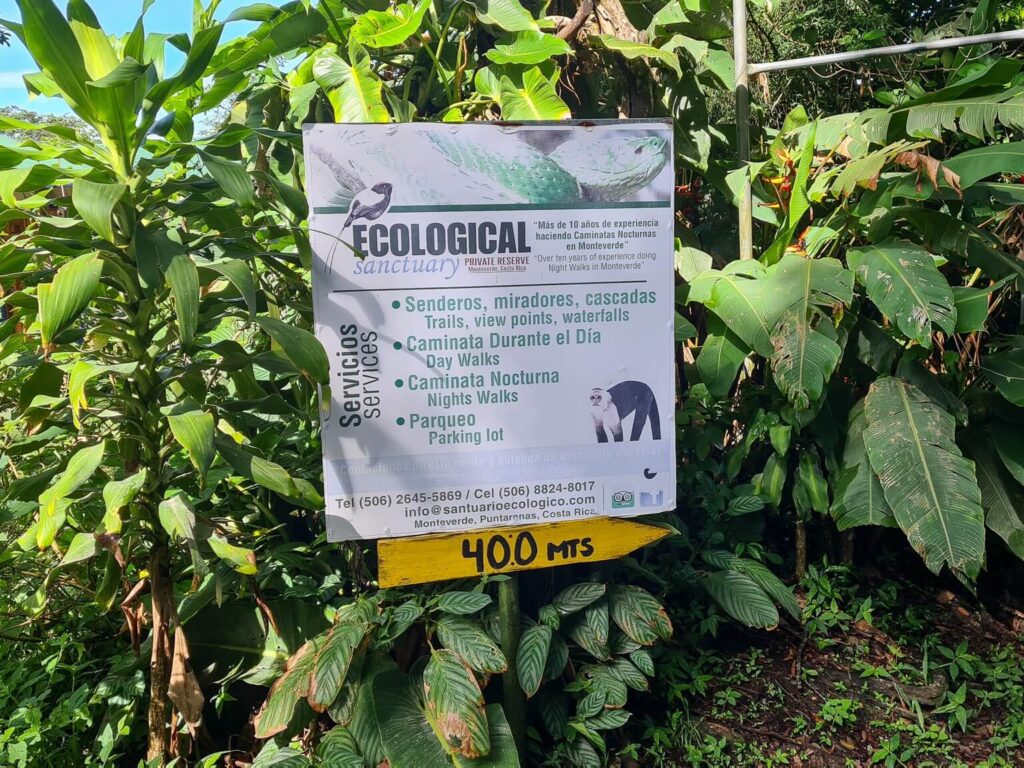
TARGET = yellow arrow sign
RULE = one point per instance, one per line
(422, 559)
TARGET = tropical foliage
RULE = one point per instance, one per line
(159, 382)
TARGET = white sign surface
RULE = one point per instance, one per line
(497, 303)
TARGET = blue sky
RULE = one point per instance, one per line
(117, 17)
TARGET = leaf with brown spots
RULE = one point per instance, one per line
(930, 167)
(293, 685)
(455, 705)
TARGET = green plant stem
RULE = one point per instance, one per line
(513, 698)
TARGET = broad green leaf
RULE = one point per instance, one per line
(183, 278)
(578, 596)
(742, 599)
(352, 87)
(51, 520)
(719, 360)
(507, 14)
(127, 71)
(49, 38)
(810, 491)
(804, 360)
(292, 685)
(535, 100)
(859, 499)
(82, 547)
(529, 47)
(1006, 371)
(299, 346)
(976, 164)
(239, 274)
(82, 372)
(339, 749)
(80, 468)
(384, 29)
(63, 300)
(1009, 442)
(409, 738)
(455, 706)
(269, 475)
(634, 50)
(589, 629)
(930, 487)
(337, 649)
(463, 603)
(472, 644)
(1001, 497)
(232, 177)
(118, 494)
(691, 262)
(902, 280)
(638, 614)
(629, 674)
(971, 308)
(532, 657)
(95, 203)
(179, 521)
(194, 431)
(760, 574)
(241, 559)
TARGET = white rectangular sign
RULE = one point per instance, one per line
(497, 303)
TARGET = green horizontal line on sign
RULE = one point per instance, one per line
(507, 207)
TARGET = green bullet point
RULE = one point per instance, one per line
(396, 304)
(398, 345)
(399, 383)
(400, 421)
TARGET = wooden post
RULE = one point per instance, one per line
(513, 698)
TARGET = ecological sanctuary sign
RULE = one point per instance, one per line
(497, 303)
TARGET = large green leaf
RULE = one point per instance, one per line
(536, 99)
(532, 657)
(634, 50)
(63, 300)
(352, 86)
(118, 494)
(383, 29)
(529, 47)
(638, 614)
(578, 596)
(268, 474)
(976, 164)
(409, 739)
(719, 361)
(472, 644)
(742, 598)
(50, 40)
(82, 372)
(1001, 497)
(455, 706)
(183, 278)
(95, 203)
(292, 685)
(859, 499)
(929, 486)
(178, 519)
(233, 178)
(1006, 371)
(1009, 442)
(194, 432)
(52, 502)
(902, 280)
(761, 576)
(299, 346)
(333, 660)
(780, 312)
(507, 14)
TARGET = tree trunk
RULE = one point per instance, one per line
(801, 550)
(848, 539)
(160, 660)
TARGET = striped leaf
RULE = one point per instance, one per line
(532, 657)
(455, 705)
(472, 644)
(929, 485)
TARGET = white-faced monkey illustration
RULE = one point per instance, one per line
(609, 407)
